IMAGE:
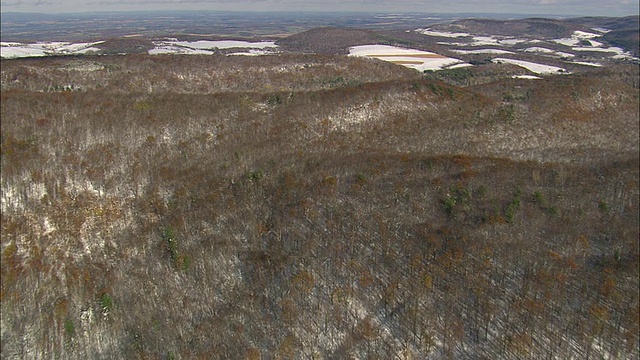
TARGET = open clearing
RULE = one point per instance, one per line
(531, 66)
(420, 56)
(415, 59)
(14, 50)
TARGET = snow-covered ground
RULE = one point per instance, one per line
(253, 52)
(586, 63)
(475, 40)
(531, 66)
(173, 46)
(429, 32)
(460, 65)
(577, 37)
(529, 77)
(14, 50)
(415, 59)
(220, 44)
(612, 49)
(170, 49)
(542, 50)
(483, 51)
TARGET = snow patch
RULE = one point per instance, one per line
(542, 50)
(577, 37)
(586, 63)
(483, 51)
(252, 52)
(529, 77)
(457, 66)
(411, 58)
(200, 47)
(14, 50)
(429, 32)
(161, 50)
(612, 49)
(584, 35)
(531, 66)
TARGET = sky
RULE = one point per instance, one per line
(542, 7)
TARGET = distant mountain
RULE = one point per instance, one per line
(625, 31)
(610, 23)
(531, 28)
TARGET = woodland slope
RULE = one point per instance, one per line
(308, 206)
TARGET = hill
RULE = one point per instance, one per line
(316, 206)
(528, 28)
(328, 40)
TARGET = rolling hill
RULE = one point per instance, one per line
(308, 204)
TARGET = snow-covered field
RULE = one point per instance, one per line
(14, 50)
(576, 38)
(529, 77)
(542, 50)
(531, 66)
(581, 48)
(475, 40)
(586, 63)
(415, 59)
(429, 32)
(483, 51)
(173, 46)
(578, 46)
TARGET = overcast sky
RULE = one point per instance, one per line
(548, 7)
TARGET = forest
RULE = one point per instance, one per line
(316, 207)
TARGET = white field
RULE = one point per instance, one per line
(586, 63)
(485, 40)
(514, 41)
(220, 44)
(13, 50)
(538, 49)
(578, 36)
(460, 65)
(441, 33)
(252, 52)
(531, 66)
(483, 51)
(567, 41)
(169, 49)
(612, 49)
(415, 59)
(226, 44)
(454, 43)
(596, 43)
(529, 77)
(584, 35)
(204, 47)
